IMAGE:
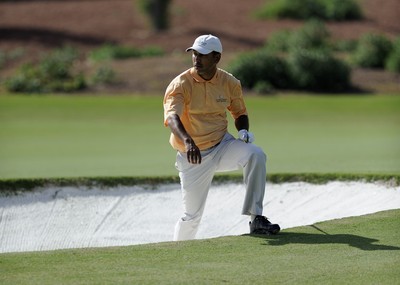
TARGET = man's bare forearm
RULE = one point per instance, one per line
(177, 128)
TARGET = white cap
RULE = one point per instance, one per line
(206, 44)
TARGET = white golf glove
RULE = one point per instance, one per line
(246, 136)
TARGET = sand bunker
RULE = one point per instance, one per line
(58, 218)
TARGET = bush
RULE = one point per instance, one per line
(340, 10)
(151, 51)
(52, 74)
(260, 66)
(372, 51)
(345, 45)
(104, 75)
(336, 10)
(263, 87)
(293, 9)
(3, 59)
(58, 64)
(393, 61)
(306, 62)
(26, 80)
(318, 70)
(111, 51)
(313, 34)
(6, 57)
(279, 41)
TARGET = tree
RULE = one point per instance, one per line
(158, 11)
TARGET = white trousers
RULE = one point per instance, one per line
(231, 154)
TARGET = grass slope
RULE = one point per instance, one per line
(357, 250)
(75, 136)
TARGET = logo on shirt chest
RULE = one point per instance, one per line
(221, 99)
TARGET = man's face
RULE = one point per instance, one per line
(205, 64)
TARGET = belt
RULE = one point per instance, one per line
(207, 149)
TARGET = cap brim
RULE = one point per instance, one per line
(199, 50)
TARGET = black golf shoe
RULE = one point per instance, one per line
(262, 226)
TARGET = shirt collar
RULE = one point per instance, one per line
(199, 79)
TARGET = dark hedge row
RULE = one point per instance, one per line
(15, 186)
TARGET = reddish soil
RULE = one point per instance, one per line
(39, 26)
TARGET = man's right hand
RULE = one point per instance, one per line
(177, 128)
(193, 152)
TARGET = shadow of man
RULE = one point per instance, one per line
(363, 243)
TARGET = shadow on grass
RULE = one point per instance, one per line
(285, 238)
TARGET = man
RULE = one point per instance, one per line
(195, 105)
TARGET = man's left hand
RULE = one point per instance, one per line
(246, 136)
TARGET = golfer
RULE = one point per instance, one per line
(195, 105)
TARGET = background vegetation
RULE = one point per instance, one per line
(306, 59)
(333, 10)
(59, 71)
(158, 13)
(309, 59)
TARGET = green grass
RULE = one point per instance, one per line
(357, 250)
(308, 138)
(347, 134)
(82, 136)
(75, 136)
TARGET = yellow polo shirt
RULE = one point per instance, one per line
(201, 106)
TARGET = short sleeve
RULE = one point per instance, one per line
(237, 107)
(173, 101)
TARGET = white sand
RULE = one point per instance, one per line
(59, 218)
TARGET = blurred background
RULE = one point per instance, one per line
(138, 45)
(321, 79)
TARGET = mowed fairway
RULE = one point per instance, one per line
(71, 136)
